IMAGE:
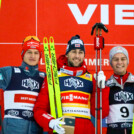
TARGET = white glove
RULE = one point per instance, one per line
(55, 125)
(101, 79)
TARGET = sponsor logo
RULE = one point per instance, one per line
(73, 82)
(113, 125)
(33, 44)
(30, 83)
(125, 96)
(76, 41)
(110, 83)
(17, 70)
(72, 97)
(74, 111)
(66, 71)
(88, 75)
(79, 72)
(120, 12)
(48, 116)
(132, 77)
(126, 125)
(97, 42)
(42, 75)
(13, 112)
(27, 114)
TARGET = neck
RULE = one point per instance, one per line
(27, 67)
(123, 77)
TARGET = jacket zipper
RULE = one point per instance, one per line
(121, 83)
(125, 130)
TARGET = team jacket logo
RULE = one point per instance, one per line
(72, 97)
(125, 96)
(30, 83)
(73, 82)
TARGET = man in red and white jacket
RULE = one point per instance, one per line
(77, 92)
(121, 95)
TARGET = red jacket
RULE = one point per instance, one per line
(42, 110)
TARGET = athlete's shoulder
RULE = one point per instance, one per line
(6, 70)
(130, 78)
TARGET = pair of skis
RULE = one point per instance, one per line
(52, 77)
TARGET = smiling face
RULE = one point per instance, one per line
(119, 64)
(31, 57)
(75, 57)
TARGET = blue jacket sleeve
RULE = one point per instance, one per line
(5, 76)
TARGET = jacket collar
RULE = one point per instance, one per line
(115, 80)
(73, 71)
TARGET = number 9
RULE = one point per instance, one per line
(125, 111)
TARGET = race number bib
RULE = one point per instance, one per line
(120, 113)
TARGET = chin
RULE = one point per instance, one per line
(32, 64)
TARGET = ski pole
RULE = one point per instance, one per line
(98, 46)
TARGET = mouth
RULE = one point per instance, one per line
(77, 60)
(120, 66)
(32, 60)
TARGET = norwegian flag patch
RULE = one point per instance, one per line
(77, 45)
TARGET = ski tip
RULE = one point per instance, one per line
(45, 40)
(51, 39)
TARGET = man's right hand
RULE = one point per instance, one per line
(55, 125)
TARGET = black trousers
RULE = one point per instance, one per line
(118, 131)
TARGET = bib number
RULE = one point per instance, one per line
(125, 112)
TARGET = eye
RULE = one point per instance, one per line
(81, 52)
(73, 51)
(123, 59)
(36, 52)
(115, 59)
(29, 52)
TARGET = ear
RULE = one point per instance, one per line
(66, 55)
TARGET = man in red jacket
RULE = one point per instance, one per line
(121, 96)
(77, 92)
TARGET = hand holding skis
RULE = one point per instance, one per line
(55, 125)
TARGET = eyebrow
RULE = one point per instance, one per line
(119, 57)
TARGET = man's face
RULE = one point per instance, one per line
(31, 57)
(119, 64)
(75, 57)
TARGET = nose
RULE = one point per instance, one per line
(32, 55)
(77, 54)
(119, 61)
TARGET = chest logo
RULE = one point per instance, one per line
(73, 82)
(123, 96)
(30, 83)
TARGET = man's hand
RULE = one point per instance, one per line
(55, 125)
